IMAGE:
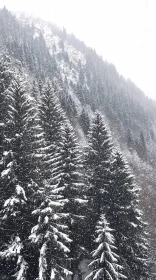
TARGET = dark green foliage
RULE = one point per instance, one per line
(105, 260)
(112, 191)
(98, 157)
(51, 237)
(50, 234)
(5, 80)
(126, 220)
(84, 121)
(52, 119)
(51, 115)
(20, 177)
(71, 187)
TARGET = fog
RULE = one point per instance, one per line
(122, 31)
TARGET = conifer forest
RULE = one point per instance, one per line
(77, 161)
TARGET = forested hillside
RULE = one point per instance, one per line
(72, 133)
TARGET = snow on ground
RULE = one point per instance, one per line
(57, 48)
(54, 45)
(74, 55)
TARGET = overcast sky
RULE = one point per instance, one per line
(122, 31)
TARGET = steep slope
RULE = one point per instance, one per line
(84, 83)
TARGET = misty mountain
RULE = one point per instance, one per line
(85, 83)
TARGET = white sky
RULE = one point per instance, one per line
(122, 31)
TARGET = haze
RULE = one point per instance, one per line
(122, 31)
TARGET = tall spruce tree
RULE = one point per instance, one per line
(6, 74)
(20, 179)
(63, 198)
(98, 158)
(52, 119)
(51, 236)
(5, 81)
(72, 188)
(51, 114)
(126, 219)
(105, 260)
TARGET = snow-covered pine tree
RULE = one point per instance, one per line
(51, 114)
(52, 119)
(52, 239)
(5, 80)
(5, 84)
(105, 260)
(126, 219)
(63, 192)
(97, 161)
(50, 234)
(72, 189)
(20, 177)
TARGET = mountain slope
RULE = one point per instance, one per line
(85, 83)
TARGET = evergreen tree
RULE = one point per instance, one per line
(5, 86)
(84, 121)
(98, 157)
(126, 219)
(142, 146)
(51, 114)
(71, 187)
(20, 178)
(63, 180)
(5, 80)
(52, 120)
(105, 264)
(52, 238)
(50, 234)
